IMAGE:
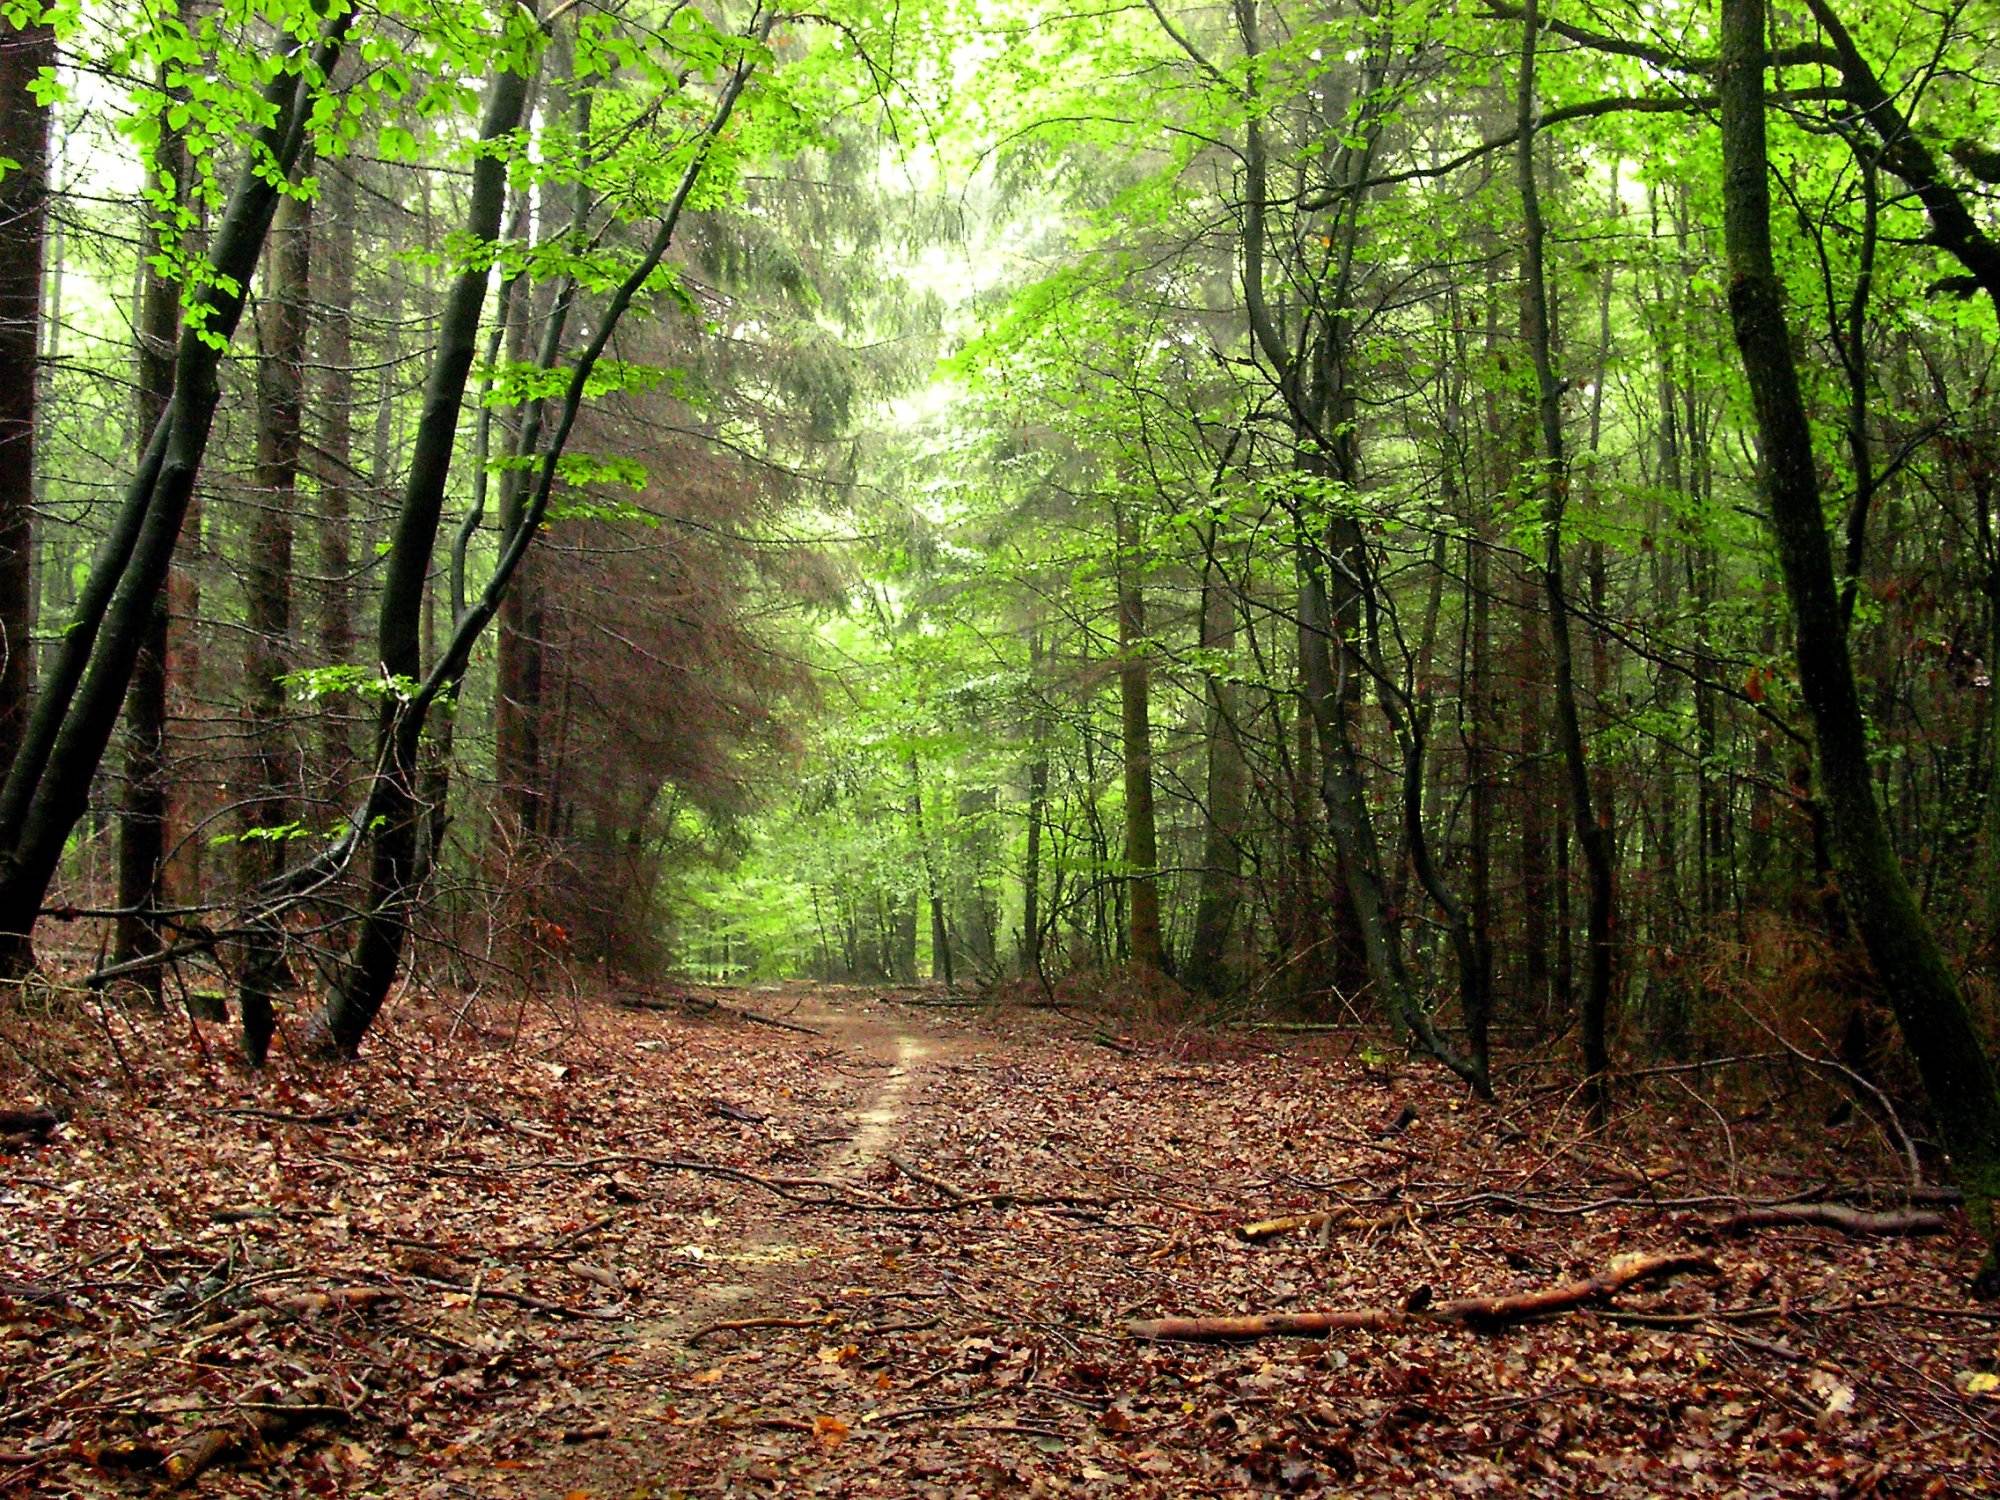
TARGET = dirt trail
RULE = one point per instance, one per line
(770, 1255)
(635, 1251)
(963, 1333)
(778, 1267)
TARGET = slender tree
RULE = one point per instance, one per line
(1591, 822)
(1917, 976)
(25, 51)
(47, 787)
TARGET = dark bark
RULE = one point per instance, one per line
(933, 897)
(1320, 404)
(1591, 824)
(1207, 971)
(1481, 716)
(334, 300)
(272, 805)
(1142, 857)
(393, 811)
(47, 788)
(1347, 815)
(24, 190)
(1038, 800)
(390, 807)
(1920, 984)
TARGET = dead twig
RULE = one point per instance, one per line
(737, 1325)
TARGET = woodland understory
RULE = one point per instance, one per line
(986, 745)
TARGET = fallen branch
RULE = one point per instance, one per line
(814, 1192)
(520, 1299)
(1833, 1216)
(701, 1005)
(757, 1017)
(956, 1194)
(335, 1299)
(35, 1122)
(1336, 1218)
(1485, 1313)
(348, 1116)
(262, 1422)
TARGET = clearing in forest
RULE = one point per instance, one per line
(900, 1247)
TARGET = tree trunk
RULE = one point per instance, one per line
(1038, 802)
(1592, 829)
(267, 583)
(335, 300)
(1481, 715)
(1918, 979)
(24, 190)
(1227, 798)
(353, 1005)
(391, 813)
(47, 788)
(1136, 741)
(1347, 815)
(142, 819)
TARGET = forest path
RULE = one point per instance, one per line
(1013, 1191)
(626, 1245)
(636, 1245)
(772, 1249)
(781, 1270)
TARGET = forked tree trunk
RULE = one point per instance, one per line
(47, 787)
(1916, 976)
(391, 811)
(352, 1007)
(144, 813)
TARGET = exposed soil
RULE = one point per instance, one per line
(613, 1253)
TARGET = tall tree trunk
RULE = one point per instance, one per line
(1227, 797)
(142, 819)
(145, 815)
(24, 191)
(933, 895)
(334, 299)
(1481, 715)
(47, 788)
(1142, 856)
(1593, 832)
(1038, 803)
(1347, 815)
(1918, 979)
(391, 812)
(353, 1005)
(267, 582)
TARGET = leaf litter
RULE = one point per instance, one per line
(605, 1251)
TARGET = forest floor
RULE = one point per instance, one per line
(583, 1250)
